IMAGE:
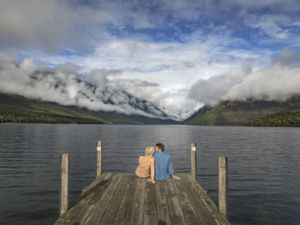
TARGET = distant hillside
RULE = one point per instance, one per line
(15, 108)
(288, 119)
(251, 113)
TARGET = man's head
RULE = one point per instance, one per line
(159, 147)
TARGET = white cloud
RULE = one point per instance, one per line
(275, 83)
(55, 24)
(50, 25)
(271, 25)
(173, 66)
(128, 56)
(277, 28)
(279, 81)
(36, 82)
(213, 90)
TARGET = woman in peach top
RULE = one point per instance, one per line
(146, 165)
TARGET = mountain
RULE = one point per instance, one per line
(251, 113)
(70, 90)
(16, 108)
(49, 96)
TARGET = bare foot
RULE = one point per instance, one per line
(149, 180)
(176, 177)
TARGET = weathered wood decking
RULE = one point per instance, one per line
(124, 199)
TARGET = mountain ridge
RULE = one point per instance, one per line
(94, 97)
(250, 113)
(17, 108)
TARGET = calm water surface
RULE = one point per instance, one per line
(264, 168)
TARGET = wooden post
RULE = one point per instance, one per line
(223, 185)
(98, 158)
(64, 191)
(193, 160)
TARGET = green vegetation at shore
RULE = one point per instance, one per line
(29, 116)
(249, 113)
(18, 109)
(289, 119)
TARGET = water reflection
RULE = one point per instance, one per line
(264, 180)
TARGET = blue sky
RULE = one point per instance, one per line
(175, 44)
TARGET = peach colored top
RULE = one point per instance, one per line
(146, 164)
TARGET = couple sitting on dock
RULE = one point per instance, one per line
(155, 165)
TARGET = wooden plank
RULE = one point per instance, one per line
(99, 181)
(150, 212)
(163, 217)
(124, 199)
(220, 218)
(205, 199)
(175, 211)
(84, 201)
(91, 199)
(96, 214)
(186, 202)
(125, 211)
(137, 216)
(132, 205)
(195, 195)
(210, 206)
(114, 204)
(192, 180)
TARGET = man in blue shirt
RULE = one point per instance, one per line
(163, 164)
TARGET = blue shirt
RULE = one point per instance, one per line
(163, 166)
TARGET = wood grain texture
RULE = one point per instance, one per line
(193, 160)
(127, 205)
(223, 185)
(99, 158)
(163, 216)
(124, 199)
(64, 189)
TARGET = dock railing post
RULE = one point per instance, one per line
(223, 184)
(64, 188)
(193, 160)
(98, 158)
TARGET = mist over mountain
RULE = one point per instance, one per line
(244, 96)
(251, 112)
(125, 57)
(277, 82)
(65, 86)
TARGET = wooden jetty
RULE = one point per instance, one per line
(124, 199)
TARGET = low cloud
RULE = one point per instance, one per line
(162, 73)
(214, 89)
(54, 84)
(68, 68)
(98, 89)
(279, 81)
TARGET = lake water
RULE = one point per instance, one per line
(263, 164)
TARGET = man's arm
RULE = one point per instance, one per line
(170, 167)
(171, 170)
